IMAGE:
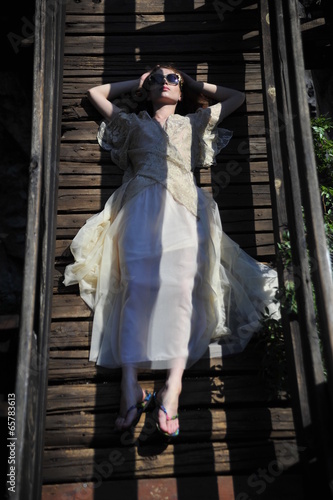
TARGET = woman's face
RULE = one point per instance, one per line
(164, 91)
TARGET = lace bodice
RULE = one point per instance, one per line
(150, 153)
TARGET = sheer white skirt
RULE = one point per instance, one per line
(164, 284)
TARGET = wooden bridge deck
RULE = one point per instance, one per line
(235, 441)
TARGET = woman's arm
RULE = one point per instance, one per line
(230, 98)
(102, 95)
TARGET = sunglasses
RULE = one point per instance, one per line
(171, 78)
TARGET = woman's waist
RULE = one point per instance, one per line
(155, 161)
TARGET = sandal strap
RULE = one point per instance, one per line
(146, 400)
(166, 413)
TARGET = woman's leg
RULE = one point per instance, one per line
(131, 394)
(168, 396)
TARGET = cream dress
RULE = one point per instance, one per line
(163, 279)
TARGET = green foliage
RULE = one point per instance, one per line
(323, 148)
(274, 366)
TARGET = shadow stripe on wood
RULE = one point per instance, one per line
(286, 486)
(81, 131)
(73, 108)
(152, 7)
(179, 459)
(116, 66)
(86, 429)
(190, 22)
(239, 149)
(197, 392)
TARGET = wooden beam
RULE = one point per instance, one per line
(227, 487)
(31, 377)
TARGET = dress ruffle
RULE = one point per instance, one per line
(212, 139)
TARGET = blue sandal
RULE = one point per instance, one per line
(161, 407)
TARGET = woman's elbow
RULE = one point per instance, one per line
(90, 94)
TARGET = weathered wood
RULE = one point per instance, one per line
(87, 200)
(89, 430)
(31, 374)
(256, 172)
(74, 366)
(69, 306)
(193, 21)
(9, 322)
(227, 422)
(180, 459)
(85, 131)
(257, 217)
(130, 8)
(239, 149)
(246, 79)
(150, 46)
(78, 108)
(67, 335)
(197, 392)
(117, 65)
(292, 334)
(219, 176)
(201, 70)
(309, 251)
(235, 487)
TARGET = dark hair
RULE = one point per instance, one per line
(138, 101)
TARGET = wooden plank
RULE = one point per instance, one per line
(180, 459)
(87, 200)
(199, 68)
(77, 108)
(9, 322)
(66, 336)
(82, 131)
(239, 149)
(235, 487)
(70, 335)
(90, 430)
(197, 392)
(246, 216)
(131, 8)
(74, 366)
(32, 348)
(248, 79)
(92, 181)
(156, 44)
(117, 64)
(193, 21)
(69, 306)
(222, 175)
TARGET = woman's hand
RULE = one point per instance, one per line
(143, 78)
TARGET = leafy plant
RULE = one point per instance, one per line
(274, 366)
(323, 148)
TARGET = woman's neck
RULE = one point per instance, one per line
(162, 113)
